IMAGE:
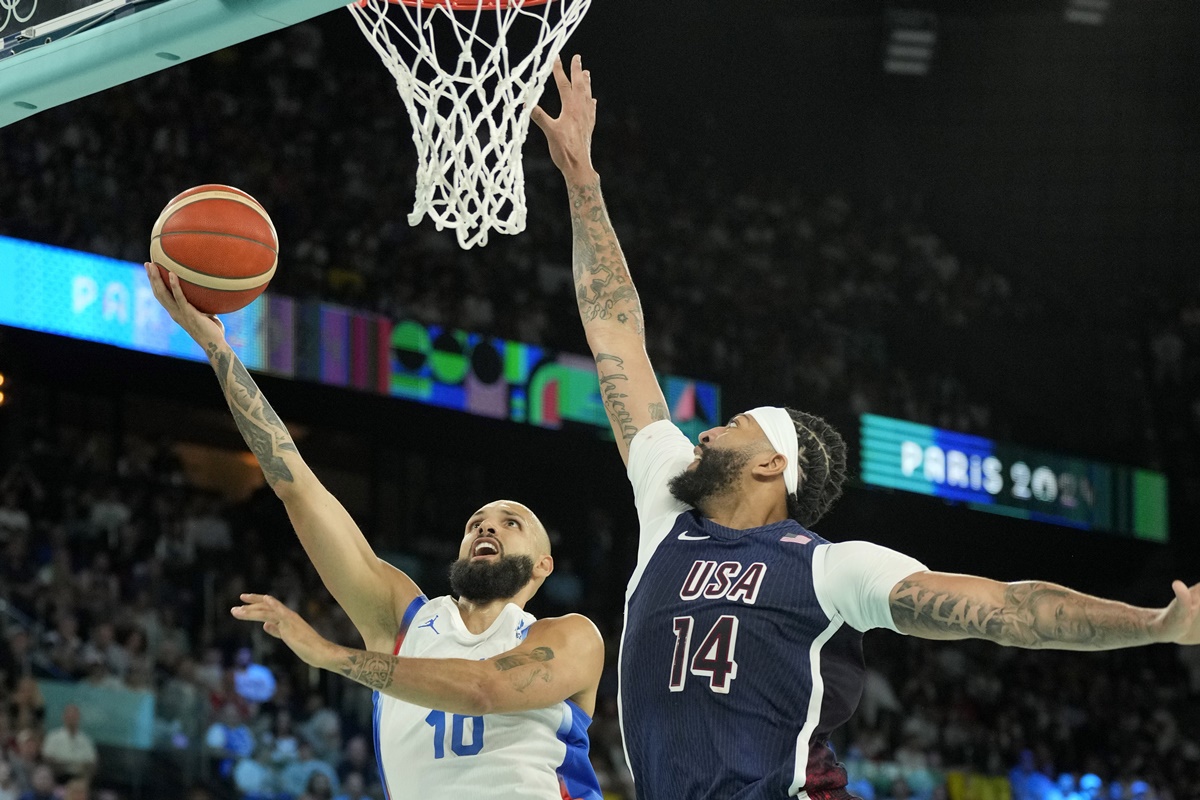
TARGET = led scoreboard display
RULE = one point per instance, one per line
(1014, 480)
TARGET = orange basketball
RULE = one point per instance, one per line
(220, 242)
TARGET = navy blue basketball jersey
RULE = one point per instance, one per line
(739, 657)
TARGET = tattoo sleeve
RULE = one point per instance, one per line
(603, 287)
(613, 383)
(1032, 615)
(260, 426)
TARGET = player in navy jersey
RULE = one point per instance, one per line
(475, 697)
(743, 628)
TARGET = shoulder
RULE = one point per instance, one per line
(569, 624)
(570, 630)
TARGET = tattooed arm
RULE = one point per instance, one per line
(560, 659)
(1032, 614)
(373, 593)
(607, 299)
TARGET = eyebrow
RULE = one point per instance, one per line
(509, 514)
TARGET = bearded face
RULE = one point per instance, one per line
(482, 581)
(715, 473)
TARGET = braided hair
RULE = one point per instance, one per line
(822, 455)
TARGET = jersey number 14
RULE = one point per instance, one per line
(713, 659)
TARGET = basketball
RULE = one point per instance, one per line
(220, 242)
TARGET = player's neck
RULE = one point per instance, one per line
(478, 617)
(740, 510)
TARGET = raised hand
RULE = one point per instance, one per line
(281, 622)
(570, 134)
(204, 328)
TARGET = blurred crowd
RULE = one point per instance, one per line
(836, 303)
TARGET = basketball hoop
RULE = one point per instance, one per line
(469, 96)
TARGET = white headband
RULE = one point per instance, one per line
(781, 433)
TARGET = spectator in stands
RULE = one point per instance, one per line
(319, 787)
(41, 784)
(76, 789)
(68, 750)
(256, 778)
(25, 756)
(282, 739)
(322, 729)
(358, 758)
(296, 776)
(26, 705)
(227, 740)
(9, 789)
(353, 788)
(102, 648)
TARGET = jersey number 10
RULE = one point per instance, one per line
(458, 744)
(713, 658)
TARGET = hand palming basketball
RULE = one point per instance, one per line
(570, 134)
(204, 328)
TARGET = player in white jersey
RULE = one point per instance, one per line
(741, 651)
(474, 696)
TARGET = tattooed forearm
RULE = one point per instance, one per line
(523, 680)
(521, 659)
(260, 426)
(603, 287)
(1032, 614)
(373, 670)
(612, 384)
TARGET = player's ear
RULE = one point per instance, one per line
(769, 464)
(543, 566)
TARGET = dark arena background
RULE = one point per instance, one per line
(978, 218)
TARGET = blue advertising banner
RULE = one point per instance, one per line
(66, 292)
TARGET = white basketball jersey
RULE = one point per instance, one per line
(434, 755)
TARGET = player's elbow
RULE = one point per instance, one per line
(481, 697)
(301, 483)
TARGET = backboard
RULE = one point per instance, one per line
(56, 51)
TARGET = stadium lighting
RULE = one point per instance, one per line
(1087, 12)
(912, 37)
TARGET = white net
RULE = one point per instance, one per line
(470, 79)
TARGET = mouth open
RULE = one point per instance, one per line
(485, 547)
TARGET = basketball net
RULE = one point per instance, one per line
(469, 103)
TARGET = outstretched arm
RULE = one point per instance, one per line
(373, 593)
(1032, 614)
(560, 659)
(608, 302)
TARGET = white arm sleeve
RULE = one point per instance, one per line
(855, 580)
(658, 452)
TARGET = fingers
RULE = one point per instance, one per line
(561, 79)
(258, 607)
(581, 79)
(156, 284)
(540, 118)
(177, 292)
